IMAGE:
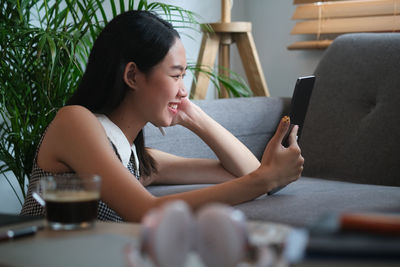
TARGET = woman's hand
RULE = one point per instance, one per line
(283, 164)
(187, 111)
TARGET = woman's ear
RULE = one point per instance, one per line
(130, 74)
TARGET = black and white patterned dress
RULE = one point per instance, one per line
(105, 213)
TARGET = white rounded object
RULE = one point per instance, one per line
(221, 236)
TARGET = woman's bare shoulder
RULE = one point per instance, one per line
(74, 112)
(75, 117)
(68, 133)
(74, 131)
(73, 122)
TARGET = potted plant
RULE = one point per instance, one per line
(45, 46)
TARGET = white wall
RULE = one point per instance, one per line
(271, 30)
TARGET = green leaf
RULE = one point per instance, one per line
(122, 6)
(142, 5)
(53, 49)
(103, 13)
(113, 8)
(42, 41)
(131, 4)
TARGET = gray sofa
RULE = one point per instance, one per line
(350, 141)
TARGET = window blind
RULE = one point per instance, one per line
(327, 19)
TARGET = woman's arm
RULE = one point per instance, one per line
(234, 157)
(172, 169)
(77, 141)
(279, 166)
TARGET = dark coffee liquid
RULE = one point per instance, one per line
(72, 209)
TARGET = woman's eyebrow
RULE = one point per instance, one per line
(179, 67)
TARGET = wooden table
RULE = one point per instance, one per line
(106, 245)
(103, 245)
(124, 229)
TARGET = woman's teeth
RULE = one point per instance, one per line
(173, 106)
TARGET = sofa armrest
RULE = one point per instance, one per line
(252, 120)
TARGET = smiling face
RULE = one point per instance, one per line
(158, 94)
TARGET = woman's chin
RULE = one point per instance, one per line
(165, 123)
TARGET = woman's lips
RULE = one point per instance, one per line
(173, 107)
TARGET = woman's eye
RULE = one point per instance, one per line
(179, 76)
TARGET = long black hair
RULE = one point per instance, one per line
(134, 36)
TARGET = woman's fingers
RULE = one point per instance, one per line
(293, 135)
(282, 130)
(295, 147)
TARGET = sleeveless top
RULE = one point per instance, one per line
(124, 152)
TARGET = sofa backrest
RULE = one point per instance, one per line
(252, 120)
(352, 129)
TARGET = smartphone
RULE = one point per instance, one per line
(298, 110)
(299, 105)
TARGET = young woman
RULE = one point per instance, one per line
(133, 77)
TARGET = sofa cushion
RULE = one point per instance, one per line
(305, 201)
(252, 120)
(352, 128)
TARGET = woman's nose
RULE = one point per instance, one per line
(182, 91)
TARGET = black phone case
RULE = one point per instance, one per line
(299, 105)
(298, 109)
